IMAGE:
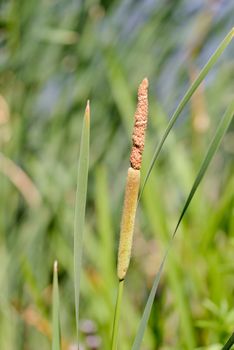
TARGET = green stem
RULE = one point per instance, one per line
(115, 330)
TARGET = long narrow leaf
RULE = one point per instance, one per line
(55, 312)
(229, 343)
(220, 132)
(81, 194)
(189, 93)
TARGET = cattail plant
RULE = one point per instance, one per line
(131, 196)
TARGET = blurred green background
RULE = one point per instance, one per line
(54, 55)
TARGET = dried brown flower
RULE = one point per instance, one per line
(140, 124)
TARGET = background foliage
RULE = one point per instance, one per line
(54, 55)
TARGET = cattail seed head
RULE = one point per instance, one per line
(133, 181)
(128, 219)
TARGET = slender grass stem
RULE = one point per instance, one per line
(115, 330)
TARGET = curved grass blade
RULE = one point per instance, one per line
(220, 132)
(55, 312)
(205, 70)
(81, 194)
(229, 343)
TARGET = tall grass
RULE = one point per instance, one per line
(130, 202)
(81, 194)
(55, 317)
(56, 55)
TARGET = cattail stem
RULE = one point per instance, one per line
(117, 316)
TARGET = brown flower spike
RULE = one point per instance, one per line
(133, 182)
(138, 136)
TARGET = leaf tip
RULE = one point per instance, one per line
(56, 266)
(87, 111)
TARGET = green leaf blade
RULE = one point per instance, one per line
(220, 132)
(189, 93)
(55, 311)
(229, 343)
(145, 317)
(80, 206)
